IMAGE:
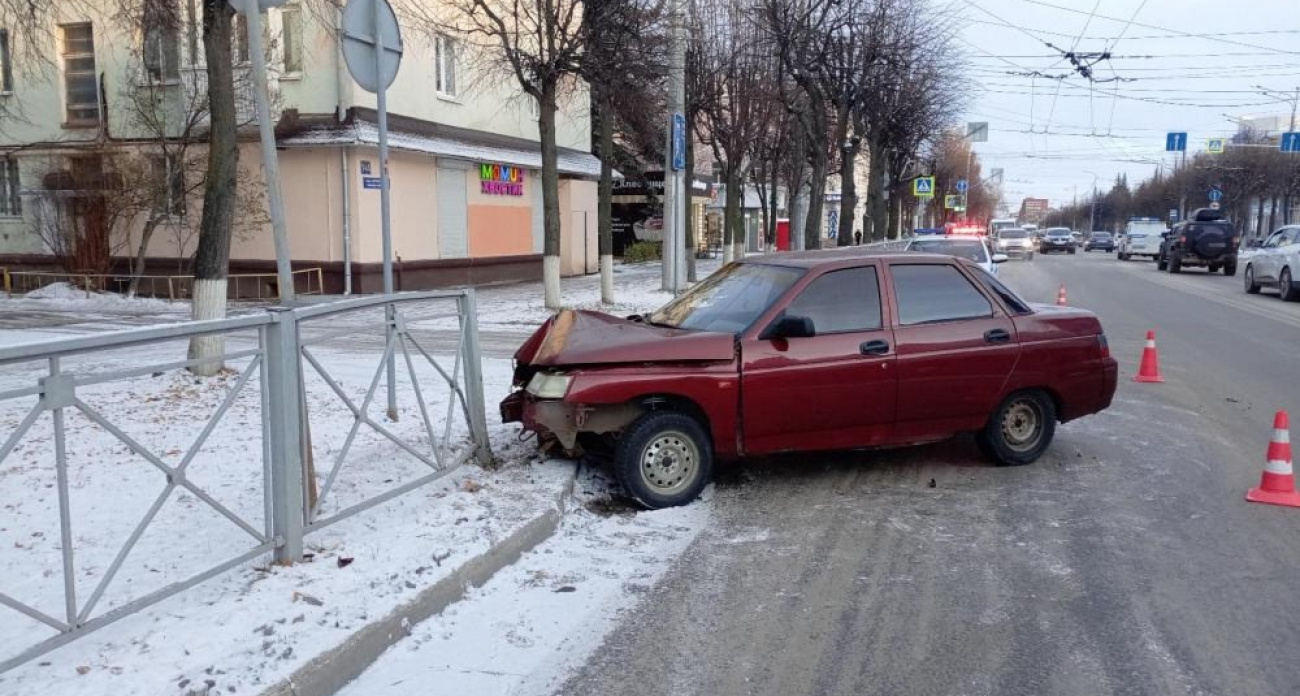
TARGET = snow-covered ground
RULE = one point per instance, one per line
(249, 627)
(524, 631)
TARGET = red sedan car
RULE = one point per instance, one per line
(810, 351)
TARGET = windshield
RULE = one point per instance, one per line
(1101, 235)
(1012, 234)
(961, 248)
(730, 300)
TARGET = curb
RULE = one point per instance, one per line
(330, 671)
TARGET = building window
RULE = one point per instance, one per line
(444, 68)
(169, 178)
(241, 38)
(291, 19)
(11, 202)
(162, 60)
(81, 89)
(6, 71)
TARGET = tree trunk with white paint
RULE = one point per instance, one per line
(550, 199)
(605, 212)
(212, 258)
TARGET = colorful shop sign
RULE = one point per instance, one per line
(501, 180)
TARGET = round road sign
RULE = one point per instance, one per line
(372, 43)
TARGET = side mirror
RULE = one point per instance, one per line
(1000, 258)
(790, 326)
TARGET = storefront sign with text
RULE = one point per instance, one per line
(501, 180)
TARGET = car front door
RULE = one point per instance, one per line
(834, 390)
(1265, 262)
(956, 349)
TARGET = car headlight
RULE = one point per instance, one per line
(545, 385)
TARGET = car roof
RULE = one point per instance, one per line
(813, 259)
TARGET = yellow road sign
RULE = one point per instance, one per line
(1214, 146)
(923, 187)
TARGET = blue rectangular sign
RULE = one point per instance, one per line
(1291, 142)
(679, 142)
(372, 182)
(1176, 142)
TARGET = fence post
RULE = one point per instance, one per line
(281, 379)
(473, 360)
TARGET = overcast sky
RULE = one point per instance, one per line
(1048, 139)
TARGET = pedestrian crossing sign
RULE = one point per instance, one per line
(952, 202)
(1214, 146)
(923, 187)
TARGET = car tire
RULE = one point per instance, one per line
(1161, 264)
(1252, 288)
(1175, 265)
(1020, 430)
(1287, 289)
(640, 466)
(1072, 251)
(1230, 269)
(1213, 268)
(1122, 256)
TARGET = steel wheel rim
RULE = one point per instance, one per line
(1022, 425)
(669, 462)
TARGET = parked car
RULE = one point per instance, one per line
(1275, 264)
(810, 351)
(1206, 240)
(1014, 242)
(1141, 237)
(1099, 240)
(974, 249)
(1057, 239)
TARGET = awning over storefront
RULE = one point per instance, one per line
(440, 141)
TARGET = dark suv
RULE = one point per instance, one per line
(1206, 240)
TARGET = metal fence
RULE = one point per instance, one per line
(240, 286)
(279, 354)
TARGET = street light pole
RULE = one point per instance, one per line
(674, 214)
(1092, 213)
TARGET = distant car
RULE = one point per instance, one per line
(1206, 240)
(1078, 238)
(1275, 264)
(805, 352)
(1057, 239)
(1142, 237)
(972, 248)
(1015, 242)
(1099, 240)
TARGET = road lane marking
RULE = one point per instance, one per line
(1278, 312)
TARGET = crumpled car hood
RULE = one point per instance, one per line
(590, 338)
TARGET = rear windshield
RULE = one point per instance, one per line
(1058, 233)
(961, 248)
(1011, 299)
(1101, 235)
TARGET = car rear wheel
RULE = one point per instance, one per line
(1252, 288)
(664, 459)
(1175, 264)
(1020, 430)
(1161, 264)
(1287, 289)
(1230, 269)
(1071, 250)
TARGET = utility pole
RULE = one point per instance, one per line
(674, 215)
(270, 160)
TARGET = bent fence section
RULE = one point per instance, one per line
(274, 365)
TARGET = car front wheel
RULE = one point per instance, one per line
(1020, 430)
(1252, 288)
(664, 459)
(1287, 289)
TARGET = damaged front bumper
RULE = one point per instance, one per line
(564, 420)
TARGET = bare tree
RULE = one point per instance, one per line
(541, 44)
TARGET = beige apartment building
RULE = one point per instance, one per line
(464, 155)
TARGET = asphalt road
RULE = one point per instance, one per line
(1124, 562)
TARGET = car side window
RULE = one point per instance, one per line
(1288, 238)
(1272, 241)
(841, 301)
(930, 293)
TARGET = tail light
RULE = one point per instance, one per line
(1183, 239)
(1103, 346)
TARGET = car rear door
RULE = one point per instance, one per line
(956, 349)
(1264, 263)
(834, 390)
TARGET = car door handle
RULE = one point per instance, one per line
(874, 347)
(997, 336)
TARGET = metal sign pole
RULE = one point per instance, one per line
(270, 161)
(385, 213)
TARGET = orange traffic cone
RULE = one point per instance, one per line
(1060, 296)
(1149, 371)
(1277, 485)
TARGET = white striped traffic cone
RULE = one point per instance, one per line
(1060, 296)
(1277, 485)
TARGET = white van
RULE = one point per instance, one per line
(1142, 237)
